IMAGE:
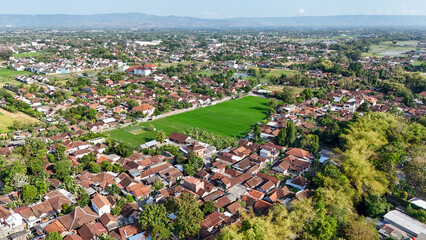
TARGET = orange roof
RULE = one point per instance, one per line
(140, 192)
(256, 194)
(103, 158)
(143, 107)
(55, 226)
(118, 110)
(150, 65)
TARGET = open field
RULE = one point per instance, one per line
(343, 37)
(295, 90)
(417, 63)
(7, 119)
(8, 76)
(27, 54)
(389, 49)
(278, 72)
(184, 63)
(230, 118)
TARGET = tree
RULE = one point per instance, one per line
(161, 136)
(273, 103)
(364, 107)
(19, 180)
(5, 53)
(280, 139)
(105, 236)
(83, 199)
(356, 67)
(154, 219)
(190, 169)
(62, 168)
(60, 152)
(286, 95)
(256, 132)
(419, 214)
(124, 150)
(323, 226)
(95, 167)
(415, 172)
(29, 193)
(376, 206)
(189, 216)
(54, 236)
(291, 133)
(66, 208)
(208, 207)
(130, 199)
(132, 103)
(116, 210)
(114, 190)
(158, 185)
(107, 166)
(274, 226)
(180, 158)
(361, 230)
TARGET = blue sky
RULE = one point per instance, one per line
(218, 8)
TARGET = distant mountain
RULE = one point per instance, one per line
(145, 21)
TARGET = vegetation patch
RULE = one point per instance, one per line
(388, 48)
(8, 76)
(7, 119)
(27, 54)
(230, 118)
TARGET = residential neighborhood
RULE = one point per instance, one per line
(214, 134)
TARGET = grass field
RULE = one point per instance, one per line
(278, 72)
(295, 90)
(230, 118)
(7, 119)
(389, 49)
(343, 37)
(8, 76)
(417, 63)
(27, 54)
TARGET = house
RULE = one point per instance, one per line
(130, 211)
(193, 184)
(100, 204)
(77, 218)
(109, 221)
(389, 230)
(139, 70)
(195, 147)
(179, 137)
(298, 182)
(146, 109)
(234, 207)
(55, 226)
(212, 220)
(91, 230)
(292, 163)
(149, 145)
(300, 153)
(262, 206)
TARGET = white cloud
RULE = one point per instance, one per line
(301, 11)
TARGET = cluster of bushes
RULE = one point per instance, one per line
(202, 135)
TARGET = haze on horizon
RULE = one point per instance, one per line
(219, 8)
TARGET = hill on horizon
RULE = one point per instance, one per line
(145, 21)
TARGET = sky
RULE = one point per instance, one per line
(218, 8)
